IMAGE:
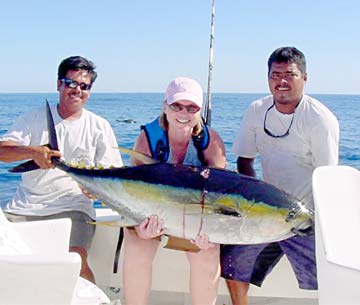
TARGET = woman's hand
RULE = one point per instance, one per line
(202, 242)
(151, 227)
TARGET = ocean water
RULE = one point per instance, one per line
(126, 112)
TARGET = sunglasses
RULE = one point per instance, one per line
(176, 107)
(74, 84)
(291, 75)
(269, 133)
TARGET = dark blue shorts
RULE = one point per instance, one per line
(252, 263)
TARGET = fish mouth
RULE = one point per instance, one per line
(304, 228)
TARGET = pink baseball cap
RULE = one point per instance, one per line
(184, 88)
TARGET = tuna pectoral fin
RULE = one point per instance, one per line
(177, 243)
(104, 223)
(138, 155)
(24, 167)
(223, 210)
(117, 221)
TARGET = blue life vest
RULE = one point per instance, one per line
(159, 142)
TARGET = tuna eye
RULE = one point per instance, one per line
(292, 214)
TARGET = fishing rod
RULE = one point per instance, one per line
(207, 107)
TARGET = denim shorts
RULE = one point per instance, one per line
(81, 231)
(252, 263)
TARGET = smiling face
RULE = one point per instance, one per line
(286, 83)
(182, 116)
(72, 100)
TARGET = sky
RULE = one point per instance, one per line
(140, 45)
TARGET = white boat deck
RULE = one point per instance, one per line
(179, 298)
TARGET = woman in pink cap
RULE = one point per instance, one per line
(177, 136)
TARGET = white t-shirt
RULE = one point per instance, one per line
(289, 162)
(88, 140)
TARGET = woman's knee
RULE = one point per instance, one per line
(136, 248)
(205, 261)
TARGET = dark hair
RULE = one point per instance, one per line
(76, 63)
(288, 55)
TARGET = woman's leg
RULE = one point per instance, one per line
(137, 267)
(204, 275)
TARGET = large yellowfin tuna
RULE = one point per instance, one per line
(230, 208)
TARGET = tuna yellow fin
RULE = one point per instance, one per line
(138, 155)
(122, 223)
(105, 223)
(177, 243)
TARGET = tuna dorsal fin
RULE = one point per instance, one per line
(138, 155)
(51, 128)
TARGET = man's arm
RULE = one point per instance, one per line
(325, 143)
(11, 152)
(245, 166)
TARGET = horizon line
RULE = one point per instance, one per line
(156, 92)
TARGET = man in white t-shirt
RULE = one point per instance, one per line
(293, 134)
(83, 138)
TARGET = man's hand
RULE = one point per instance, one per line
(42, 156)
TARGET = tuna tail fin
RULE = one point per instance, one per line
(138, 155)
(53, 144)
(24, 167)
